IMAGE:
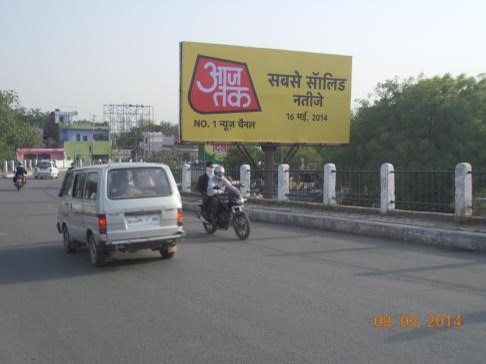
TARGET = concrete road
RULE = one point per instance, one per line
(287, 295)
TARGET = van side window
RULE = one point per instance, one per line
(67, 185)
(91, 186)
(78, 186)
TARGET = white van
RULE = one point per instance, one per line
(120, 207)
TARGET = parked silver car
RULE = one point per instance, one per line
(120, 207)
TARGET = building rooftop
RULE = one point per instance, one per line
(85, 126)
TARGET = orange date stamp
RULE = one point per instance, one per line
(432, 321)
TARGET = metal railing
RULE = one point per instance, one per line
(415, 190)
(479, 192)
(358, 188)
(196, 172)
(177, 172)
(257, 182)
(306, 185)
(425, 190)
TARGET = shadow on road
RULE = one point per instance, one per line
(48, 261)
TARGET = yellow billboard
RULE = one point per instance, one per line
(254, 95)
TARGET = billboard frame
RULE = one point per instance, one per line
(186, 98)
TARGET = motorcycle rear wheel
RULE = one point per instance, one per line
(210, 228)
(241, 225)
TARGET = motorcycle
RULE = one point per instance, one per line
(20, 182)
(230, 214)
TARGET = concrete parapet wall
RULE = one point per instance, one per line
(408, 233)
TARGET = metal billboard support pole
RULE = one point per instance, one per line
(269, 150)
(247, 154)
(293, 149)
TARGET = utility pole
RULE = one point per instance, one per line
(92, 132)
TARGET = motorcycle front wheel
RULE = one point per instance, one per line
(241, 225)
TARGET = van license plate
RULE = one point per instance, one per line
(143, 220)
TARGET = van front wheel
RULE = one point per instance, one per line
(95, 254)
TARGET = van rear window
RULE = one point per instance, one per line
(138, 183)
(44, 165)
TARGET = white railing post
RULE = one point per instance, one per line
(329, 195)
(245, 180)
(5, 166)
(283, 182)
(13, 166)
(463, 195)
(186, 177)
(119, 160)
(387, 182)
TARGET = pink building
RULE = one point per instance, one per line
(56, 154)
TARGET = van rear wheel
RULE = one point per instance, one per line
(210, 228)
(66, 239)
(167, 252)
(95, 254)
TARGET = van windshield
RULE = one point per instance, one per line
(147, 182)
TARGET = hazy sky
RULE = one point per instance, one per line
(82, 54)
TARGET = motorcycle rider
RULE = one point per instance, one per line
(216, 187)
(202, 187)
(19, 172)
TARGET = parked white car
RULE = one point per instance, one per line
(46, 169)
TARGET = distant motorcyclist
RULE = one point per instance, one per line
(19, 172)
(216, 188)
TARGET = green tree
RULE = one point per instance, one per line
(430, 123)
(33, 117)
(310, 156)
(234, 158)
(167, 156)
(16, 129)
(169, 128)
